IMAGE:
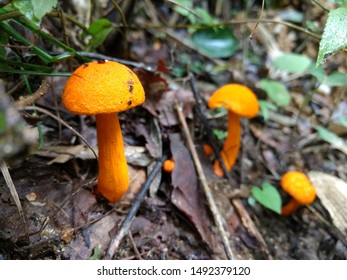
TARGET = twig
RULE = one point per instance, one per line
(211, 202)
(260, 17)
(14, 193)
(29, 100)
(125, 226)
(321, 6)
(9, 15)
(132, 241)
(245, 218)
(119, 9)
(48, 113)
(223, 23)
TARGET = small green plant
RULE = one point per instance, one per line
(268, 196)
(96, 253)
(291, 63)
(28, 15)
(97, 32)
(265, 107)
(276, 91)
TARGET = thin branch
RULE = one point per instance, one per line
(119, 9)
(211, 202)
(31, 99)
(224, 23)
(125, 226)
(260, 17)
(14, 193)
(9, 15)
(48, 113)
(320, 5)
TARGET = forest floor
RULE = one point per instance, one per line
(63, 219)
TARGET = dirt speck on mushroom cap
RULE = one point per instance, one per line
(102, 88)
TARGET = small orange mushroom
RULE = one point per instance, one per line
(299, 187)
(104, 89)
(207, 149)
(169, 165)
(240, 101)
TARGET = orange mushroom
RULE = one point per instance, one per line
(104, 89)
(299, 187)
(207, 149)
(169, 165)
(240, 101)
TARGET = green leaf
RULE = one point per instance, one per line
(312, 26)
(25, 7)
(34, 9)
(3, 42)
(184, 7)
(334, 36)
(293, 63)
(342, 3)
(268, 196)
(276, 91)
(205, 17)
(291, 15)
(215, 42)
(334, 140)
(41, 8)
(318, 73)
(99, 30)
(327, 135)
(336, 79)
(265, 107)
(96, 253)
(343, 121)
(220, 134)
(2, 122)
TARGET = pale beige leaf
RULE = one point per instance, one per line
(332, 193)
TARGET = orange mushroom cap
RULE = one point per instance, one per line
(299, 187)
(102, 87)
(236, 98)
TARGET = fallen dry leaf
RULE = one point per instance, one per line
(332, 193)
(186, 194)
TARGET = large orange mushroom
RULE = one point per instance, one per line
(239, 101)
(104, 89)
(299, 187)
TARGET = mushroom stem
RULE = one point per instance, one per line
(290, 207)
(231, 145)
(113, 178)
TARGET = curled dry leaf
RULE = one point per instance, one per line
(186, 194)
(332, 193)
